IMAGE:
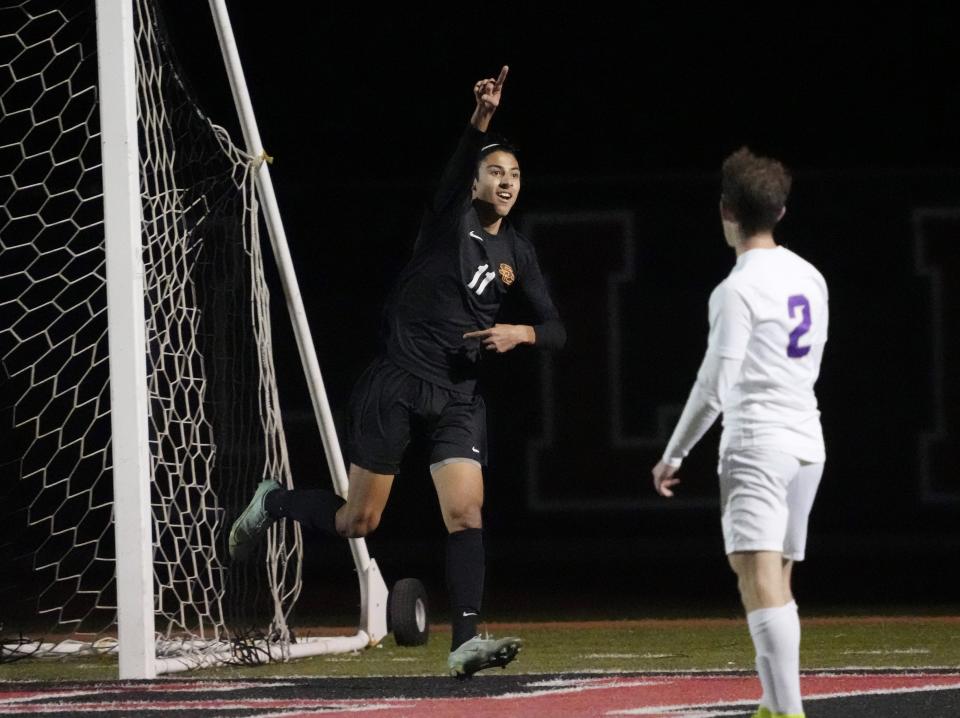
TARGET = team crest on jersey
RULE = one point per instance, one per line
(506, 274)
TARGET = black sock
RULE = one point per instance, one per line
(465, 568)
(313, 509)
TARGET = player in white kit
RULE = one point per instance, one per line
(768, 328)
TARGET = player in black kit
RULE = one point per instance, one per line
(439, 319)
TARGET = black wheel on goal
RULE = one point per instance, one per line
(407, 613)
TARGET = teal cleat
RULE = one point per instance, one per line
(480, 653)
(252, 523)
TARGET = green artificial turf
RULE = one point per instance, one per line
(656, 645)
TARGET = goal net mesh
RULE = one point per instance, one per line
(214, 420)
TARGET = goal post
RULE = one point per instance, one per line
(137, 357)
(372, 587)
(128, 350)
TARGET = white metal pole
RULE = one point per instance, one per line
(126, 334)
(288, 278)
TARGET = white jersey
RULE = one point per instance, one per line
(768, 328)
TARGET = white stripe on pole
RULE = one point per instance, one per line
(126, 333)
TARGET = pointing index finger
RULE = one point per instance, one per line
(477, 333)
(501, 79)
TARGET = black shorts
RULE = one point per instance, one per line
(389, 405)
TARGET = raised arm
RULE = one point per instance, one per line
(487, 93)
(457, 178)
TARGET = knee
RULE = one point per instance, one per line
(464, 516)
(747, 587)
(757, 590)
(357, 522)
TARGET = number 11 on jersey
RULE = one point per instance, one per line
(487, 278)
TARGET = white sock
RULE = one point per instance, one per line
(776, 639)
(766, 679)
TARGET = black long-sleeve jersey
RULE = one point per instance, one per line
(456, 281)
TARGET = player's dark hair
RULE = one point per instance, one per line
(755, 190)
(496, 144)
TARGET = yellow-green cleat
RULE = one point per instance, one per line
(764, 712)
(480, 653)
(253, 523)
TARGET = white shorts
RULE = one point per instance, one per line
(765, 499)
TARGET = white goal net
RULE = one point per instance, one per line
(214, 419)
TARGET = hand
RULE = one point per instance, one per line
(664, 479)
(503, 337)
(487, 92)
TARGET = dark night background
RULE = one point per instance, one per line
(623, 119)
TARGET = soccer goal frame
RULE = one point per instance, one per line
(131, 472)
(128, 380)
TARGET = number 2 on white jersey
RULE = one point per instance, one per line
(794, 350)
